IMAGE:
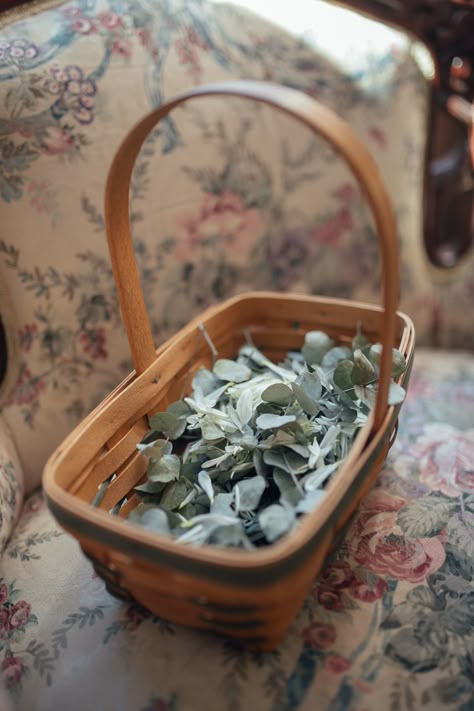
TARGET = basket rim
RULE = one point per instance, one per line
(80, 517)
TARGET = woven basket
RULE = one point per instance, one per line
(249, 595)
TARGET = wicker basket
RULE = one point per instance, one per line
(249, 595)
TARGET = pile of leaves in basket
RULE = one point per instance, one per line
(254, 445)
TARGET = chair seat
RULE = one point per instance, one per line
(391, 616)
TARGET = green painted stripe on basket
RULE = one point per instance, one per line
(223, 625)
(251, 578)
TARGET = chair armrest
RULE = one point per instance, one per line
(11, 484)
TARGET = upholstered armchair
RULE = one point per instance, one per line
(226, 196)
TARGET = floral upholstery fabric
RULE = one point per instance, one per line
(388, 624)
(227, 195)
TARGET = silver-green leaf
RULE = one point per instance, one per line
(229, 370)
(165, 469)
(275, 521)
(268, 422)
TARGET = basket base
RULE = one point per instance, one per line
(260, 627)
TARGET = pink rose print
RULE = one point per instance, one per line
(336, 664)
(109, 20)
(335, 578)
(57, 141)
(19, 614)
(12, 668)
(446, 459)
(223, 217)
(83, 26)
(379, 544)
(333, 229)
(338, 574)
(121, 47)
(28, 388)
(330, 599)
(363, 592)
(94, 343)
(319, 635)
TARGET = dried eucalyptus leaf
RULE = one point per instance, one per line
(222, 505)
(295, 462)
(210, 521)
(399, 363)
(396, 394)
(250, 493)
(244, 407)
(290, 462)
(248, 441)
(275, 458)
(190, 470)
(263, 362)
(310, 501)
(316, 479)
(342, 375)
(190, 496)
(229, 370)
(212, 398)
(278, 394)
(168, 424)
(258, 463)
(360, 341)
(136, 513)
(165, 469)
(231, 536)
(275, 521)
(288, 489)
(281, 438)
(155, 449)
(316, 345)
(333, 357)
(267, 408)
(308, 405)
(268, 422)
(151, 517)
(261, 441)
(210, 430)
(179, 409)
(311, 384)
(205, 381)
(150, 487)
(242, 468)
(398, 359)
(205, 483)
(363, 371)
(330, 438)
(174, 495)
(366, 394)
(217, 461)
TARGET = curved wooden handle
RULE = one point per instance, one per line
(318, 118)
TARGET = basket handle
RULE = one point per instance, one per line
(318, 118)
